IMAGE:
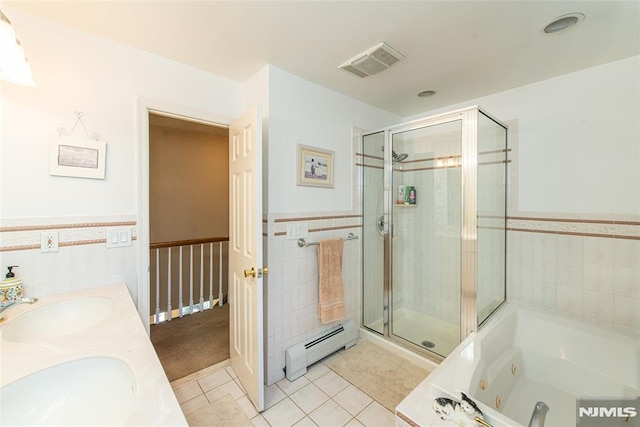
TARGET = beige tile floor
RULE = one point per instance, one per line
(319, 398)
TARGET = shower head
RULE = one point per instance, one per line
(399, 157)
(396, 158)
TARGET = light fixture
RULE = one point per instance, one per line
(14, 67)
(372, 61)
(427, 93)
(562, 23)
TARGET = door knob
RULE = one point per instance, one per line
(256, 273)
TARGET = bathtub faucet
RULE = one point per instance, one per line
(7, 306)
(538, 415)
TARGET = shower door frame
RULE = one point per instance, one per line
(469, 206)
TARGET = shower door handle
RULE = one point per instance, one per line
(380, 226)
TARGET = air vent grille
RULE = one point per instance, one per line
(372, 61)
(350, 68)
(384, 57)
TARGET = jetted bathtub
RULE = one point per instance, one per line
(522, 356)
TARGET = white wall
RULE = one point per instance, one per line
(305, 113)
(577, 140)
(573, 239)
(76, 71)
(301, 112)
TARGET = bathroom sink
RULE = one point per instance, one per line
(88, 391)
(57, 319)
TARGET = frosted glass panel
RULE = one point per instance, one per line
(492, 166)
(426, 240)
(372, 161)
(436, 269)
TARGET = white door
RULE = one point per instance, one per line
(245, 254)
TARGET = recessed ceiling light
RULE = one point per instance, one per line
(562, 23)
(427, 93)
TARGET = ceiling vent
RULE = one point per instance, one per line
(372, 61)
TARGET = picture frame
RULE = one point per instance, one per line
(315, 166)
(78, 158)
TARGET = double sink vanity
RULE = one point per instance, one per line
(82, 358)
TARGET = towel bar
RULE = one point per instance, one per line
(303, 243)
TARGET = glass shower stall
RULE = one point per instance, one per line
(434, 228)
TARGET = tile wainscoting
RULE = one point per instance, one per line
(587, 268)
(82, 261)
(291, 287)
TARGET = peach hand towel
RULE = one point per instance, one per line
(330, 286)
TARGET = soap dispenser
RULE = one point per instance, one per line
(10, 287)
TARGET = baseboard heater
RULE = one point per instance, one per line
(300, 356)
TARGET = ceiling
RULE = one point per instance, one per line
(461, 49)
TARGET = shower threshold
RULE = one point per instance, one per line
(422, 332)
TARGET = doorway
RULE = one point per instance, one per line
(246, 297)
(188, 236)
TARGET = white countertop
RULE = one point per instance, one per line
(121, 335)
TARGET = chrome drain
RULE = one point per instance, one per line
(428, 344)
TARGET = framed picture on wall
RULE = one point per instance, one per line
(78, 158)
(315, 166)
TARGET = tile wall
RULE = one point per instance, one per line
(584, 265)
(588, 268)
(82, 261)
(291, 287)
(426, 244)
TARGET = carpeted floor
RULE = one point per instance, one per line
(191, 343)
(386, 377)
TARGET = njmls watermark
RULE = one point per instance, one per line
(614, 412)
